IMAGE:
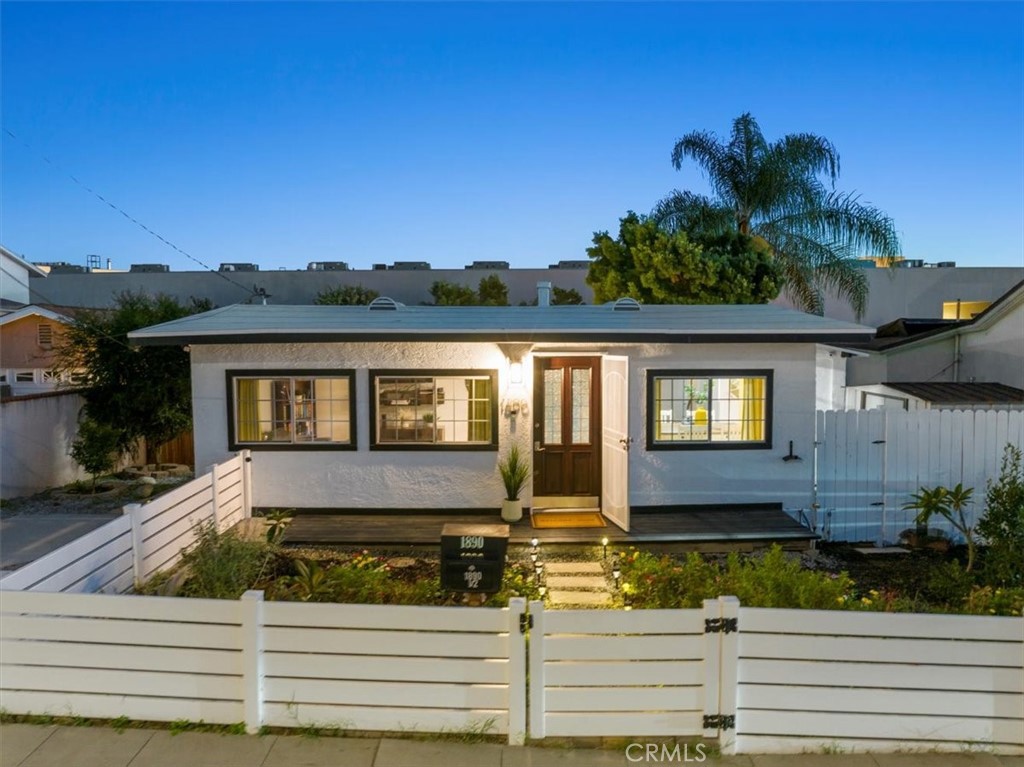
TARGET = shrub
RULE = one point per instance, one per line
(95, 448)
(1002, 525)
(224, 566)
(771, 580)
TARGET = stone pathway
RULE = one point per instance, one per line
(577, 584)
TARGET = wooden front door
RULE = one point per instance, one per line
(567, 426)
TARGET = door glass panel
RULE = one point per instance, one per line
(552, 407)
(581, 406)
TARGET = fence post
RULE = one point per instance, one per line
(517, 623)
(712, 666)
(730, 660)
(245, 457)
(215, 505)
(252, 659)
(537, 671)
(134, 513)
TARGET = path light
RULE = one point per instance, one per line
(538, 569)
(542, 590)
(616, 573)
(627, 596)
(604, 547)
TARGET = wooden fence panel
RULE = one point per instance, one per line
(869, 463)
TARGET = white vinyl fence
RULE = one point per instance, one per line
(869, 463)
(367, 667)
(148, 538)
(812, 679)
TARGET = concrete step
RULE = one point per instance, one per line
(579, 598)
(577, 582)
(574, 568)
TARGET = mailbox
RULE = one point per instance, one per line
(473, 557)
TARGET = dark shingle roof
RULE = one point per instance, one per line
(949, 393)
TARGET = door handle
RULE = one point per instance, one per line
(625, 442)
(537, 448)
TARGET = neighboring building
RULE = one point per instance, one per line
(28, 337)
(15, 273)
(632, 409)
(909, 292)
(987, 349)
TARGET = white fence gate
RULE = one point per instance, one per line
(869, 463)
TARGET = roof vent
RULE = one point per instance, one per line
(383, 304)
(626, 305)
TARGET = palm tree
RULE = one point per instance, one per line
(775, 191)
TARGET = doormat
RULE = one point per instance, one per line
(554, 519)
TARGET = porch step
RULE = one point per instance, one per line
(579, 598)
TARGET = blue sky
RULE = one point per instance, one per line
(288, 133)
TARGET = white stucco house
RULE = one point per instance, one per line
(630, 408)
(15, 273)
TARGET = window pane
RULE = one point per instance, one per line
(434, 410)
(694, 409)
(553, 407)
(581, 406)
(293, 410)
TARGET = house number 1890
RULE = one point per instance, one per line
(471, 542)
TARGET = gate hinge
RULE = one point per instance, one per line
(721, 625)
(525, 622)
(719, 722)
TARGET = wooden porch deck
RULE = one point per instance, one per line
(704, 529)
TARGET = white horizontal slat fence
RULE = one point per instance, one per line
(611, 673)
(150, 537)
(869, 463)
(365, 667)
(809, 680)
(107, 656)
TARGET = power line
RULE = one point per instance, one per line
(131, 218)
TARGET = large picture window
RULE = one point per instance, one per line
(697, 409)
(282, 409)
(434, 409)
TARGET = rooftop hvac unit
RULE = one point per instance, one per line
(488, 265)
(380, 267)
(909, 263)
(411, 265)
(571, 265)
(149, 268)
(237, 267)
(327, 266)
(945, 264)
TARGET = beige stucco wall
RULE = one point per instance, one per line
(455, 479)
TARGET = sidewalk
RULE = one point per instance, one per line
(23, 745)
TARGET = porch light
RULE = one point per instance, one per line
(515, 373)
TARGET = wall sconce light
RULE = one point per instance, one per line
(515, 373)
(792, 456)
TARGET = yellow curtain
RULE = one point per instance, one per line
(248, 410)
(753, 409)
(479, 410)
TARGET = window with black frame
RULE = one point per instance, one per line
(274, 409)
(426, 409)
(709, 409)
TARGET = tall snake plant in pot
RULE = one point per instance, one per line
(515, 473)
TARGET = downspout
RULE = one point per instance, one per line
(956, 358)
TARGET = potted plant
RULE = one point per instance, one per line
(514, 475)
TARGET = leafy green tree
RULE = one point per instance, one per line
(783, 192)
(452, 294)
(345, 295)
(95, 448)
(655, 266)
(139, 392)
(492, 291)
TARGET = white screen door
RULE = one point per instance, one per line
(615, 440)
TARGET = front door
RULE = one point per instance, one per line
(567, 426)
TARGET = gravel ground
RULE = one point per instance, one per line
(110, 501)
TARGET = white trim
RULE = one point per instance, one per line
(33, 310)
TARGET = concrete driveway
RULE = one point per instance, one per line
(26, 537)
